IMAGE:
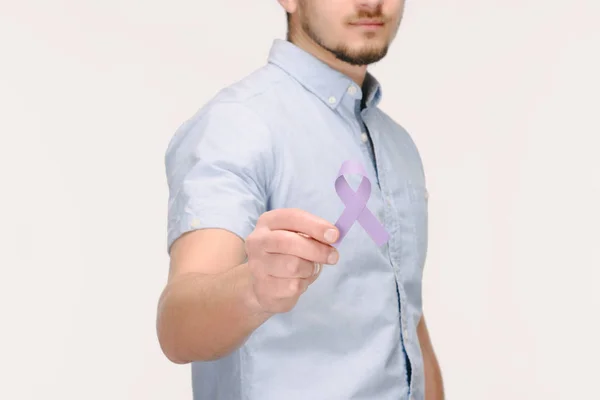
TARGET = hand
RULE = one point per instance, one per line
(285, 253)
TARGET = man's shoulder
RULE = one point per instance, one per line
(261, 85)
(239, 103)
(254, 93)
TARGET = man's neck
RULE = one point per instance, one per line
(356, 73)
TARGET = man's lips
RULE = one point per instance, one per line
(368, 22)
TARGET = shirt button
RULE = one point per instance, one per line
(352, 90)
(405, 334)
(364, 137)
(332, 100)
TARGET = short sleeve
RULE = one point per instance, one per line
(218, 168)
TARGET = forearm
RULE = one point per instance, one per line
(434, 386)
(205, 317)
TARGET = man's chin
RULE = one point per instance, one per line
(362, 58)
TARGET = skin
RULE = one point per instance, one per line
(221, 288)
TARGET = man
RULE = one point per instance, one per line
(262, 298)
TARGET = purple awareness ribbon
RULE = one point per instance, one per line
(356, 205)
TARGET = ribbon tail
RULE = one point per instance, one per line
(373, 227)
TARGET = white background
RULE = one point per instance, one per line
(501, 96)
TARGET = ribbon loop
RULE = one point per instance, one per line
(356, 205)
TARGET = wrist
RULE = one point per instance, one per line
(250, 300)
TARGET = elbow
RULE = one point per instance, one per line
(170, 343)
(180, 340)
(174, 338)
(174, 357)
(178, 354)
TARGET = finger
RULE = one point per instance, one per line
(291, 243)
(297, 220)
(285, 288)
(288, 266)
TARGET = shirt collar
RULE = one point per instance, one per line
(326, 83)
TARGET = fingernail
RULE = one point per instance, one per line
(333, 257)
(330, 235)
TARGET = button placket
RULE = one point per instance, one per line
(392, 248)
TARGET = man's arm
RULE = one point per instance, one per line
(207, 308)
(434, 387)
(213, 301)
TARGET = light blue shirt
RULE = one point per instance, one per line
(277, 139)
